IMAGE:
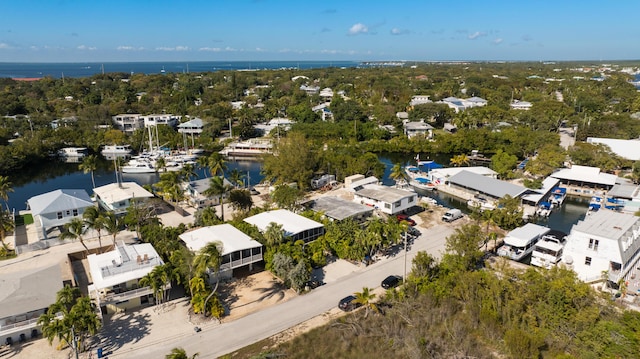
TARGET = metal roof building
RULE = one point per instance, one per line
(56, 208)
(294, 225)
(486, 185)
(339, 209)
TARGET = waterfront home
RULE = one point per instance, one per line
(117, 197)
(57, 208)
(418, 128)
(161, 119)
(128, 123)
(388, 200)
(194, 191)
(584, 180)
(116, 274)
(238, 250)
(191, 127)
(627, 149)
(295, 226)
(338, 209)
(605, 245)
(24, 296)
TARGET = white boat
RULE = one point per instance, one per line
(419, 178)
(116, 150)
(138, 166)
(548, 251)
(519, 243)
(252, 147)
(481, 203)
(557, 196)
(72, 154)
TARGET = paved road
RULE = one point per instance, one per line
(221, 339)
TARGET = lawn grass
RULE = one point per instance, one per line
(24, 219)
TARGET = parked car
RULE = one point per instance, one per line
(348, 303)
(391, 281)
(403, 217)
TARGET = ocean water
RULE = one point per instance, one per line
(87, 69)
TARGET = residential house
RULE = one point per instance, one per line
(117, 197)
(419, 100)
(324, 111)
(295, 226)
(238, 249)
(326, 94)
(128, 123)
(606, 243)
(418, 129)
(310, 90)
(458, 104)
(194, 191)
(116, 275)
(161, 119)
(24, 296)
(388, 200)
(520, 105)
(57, 208)
(191, 127)
(338, 209)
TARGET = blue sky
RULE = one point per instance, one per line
(265, 30)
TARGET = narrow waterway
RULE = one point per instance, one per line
(57, 175)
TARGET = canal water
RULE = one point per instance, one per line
(56, 175)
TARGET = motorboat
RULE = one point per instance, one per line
(116, 151)
(481, 203)
(548, 251)
(251, 147)
(557, 196)
(419, 175)
(138, 166)
(72, 154)
(519, 242)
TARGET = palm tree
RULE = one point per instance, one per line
(7, 225)
(365, 298)
(5, 188)
(397, 173)
(170, 184)
(218, 188)
(203, 162)
(112, 225)
(75, 230)
(179, 353)
(157, 280)
(209, 258)
(459, 160)
(236, 177)
(216, 164)
(89, 164)
(161, 164)
(188, 171)
(274, 234)
(94, 220)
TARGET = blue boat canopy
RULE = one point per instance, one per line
(429, 165)
(559, 190)
(422, 180)
(545, 205)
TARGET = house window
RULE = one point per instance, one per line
(410, 199)
(593, 244)
(387, 205)
(59, 215)
(75, 212)
(587, 261)
(397, 204)
(68, 213)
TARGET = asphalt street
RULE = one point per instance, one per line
(217, 340)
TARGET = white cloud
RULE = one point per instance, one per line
(84, 47)
(4, 46)
(476, 35)
(358, 28)
(259, 49)
(177, 48)
(498, 41)
(396, 31)
(128, 48)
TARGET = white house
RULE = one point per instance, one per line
(238, 249)
(520, 105)
(338, 209)
(57, 208)
(418, 128)
(161, 119)
(191, 127)
(24, 296)
(295, 226)
(310, 90)
(194, 191)
(115, 276)
(605, 241)
(128, 122)
(388, 200)
(419, 100)
(117, 197)
(458, 104)
(326, 94)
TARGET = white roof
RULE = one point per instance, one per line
(196, 122)
(113, 192)
(547, 185)
(122, 265)
(451, 171)
(231, 238)
(385, 193)
(520, 236)
(553, 245)
(59, 200)
(585, 174)
(291, 223)
(629, 149)
(29, 290)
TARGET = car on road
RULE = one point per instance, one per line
(391, 281)
(405, 218)
(348, 303)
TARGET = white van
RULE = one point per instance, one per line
(451, 215)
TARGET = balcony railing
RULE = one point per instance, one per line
(22, 325)
(120, 297)
(242, 261)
